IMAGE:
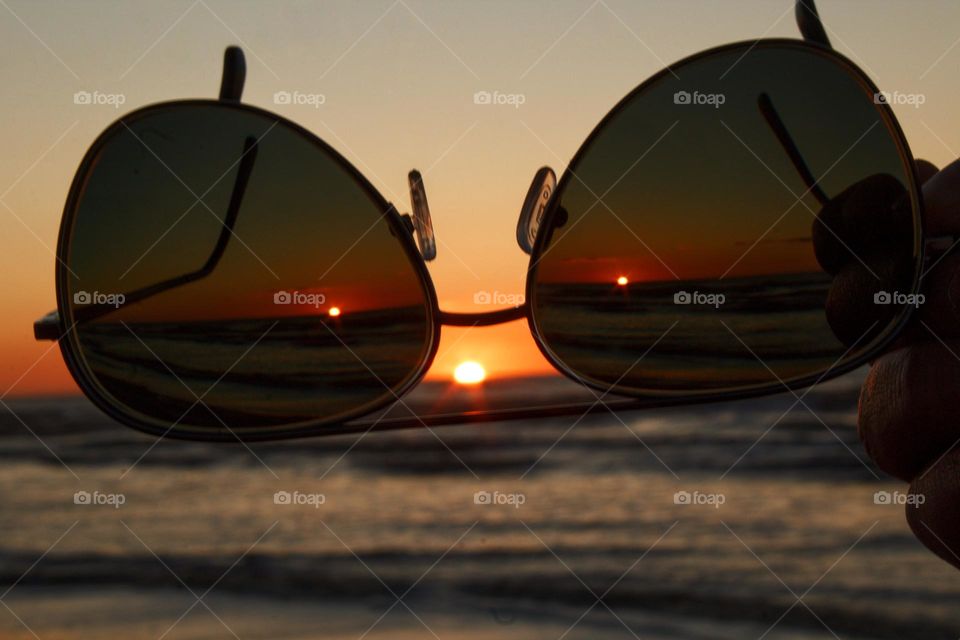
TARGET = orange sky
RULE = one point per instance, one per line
(398, 81)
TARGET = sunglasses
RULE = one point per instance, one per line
(745, 221)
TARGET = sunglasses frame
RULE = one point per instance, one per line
(687, 397)
(69, 343)
(57, 324)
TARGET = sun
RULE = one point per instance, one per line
(469, 372)
(623, 281)
(334, 312)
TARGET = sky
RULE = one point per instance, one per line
(397, 80)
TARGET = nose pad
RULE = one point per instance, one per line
(534, 206)
(422, 223)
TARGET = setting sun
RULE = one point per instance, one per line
(469, 372)
(334, 312)
(623, 281)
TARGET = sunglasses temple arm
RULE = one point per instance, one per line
(48, 327)
(234, 74)
(808, 20)
(789, 146)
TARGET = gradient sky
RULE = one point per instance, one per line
(398, 80)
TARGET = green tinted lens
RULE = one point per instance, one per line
(747, 218)
(224, 267)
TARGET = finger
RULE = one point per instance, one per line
(939, 314)
(828, 247)
(935, 518)
(902, 421)
(849, 302)
(878, 219)
(870, 214)
(926, 170)
(851, 311)
(941, 198)
(871, 221)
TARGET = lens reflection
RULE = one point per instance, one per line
(254, 281)
(743, 222)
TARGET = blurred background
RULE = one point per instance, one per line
(751, 519)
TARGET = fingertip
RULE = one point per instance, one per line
(934, 515)
(900, 418)
(941, 197)
(925, 170)
(877, 419)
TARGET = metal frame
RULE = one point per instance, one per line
(685, 397)
(56, 325)
(65, 321)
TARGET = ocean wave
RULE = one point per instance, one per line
(524, 581)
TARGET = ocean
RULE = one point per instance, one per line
(748, 519)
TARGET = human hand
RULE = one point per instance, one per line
(909, 413)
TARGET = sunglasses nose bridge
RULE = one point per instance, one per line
(534, 205)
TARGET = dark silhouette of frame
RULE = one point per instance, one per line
(56, 325)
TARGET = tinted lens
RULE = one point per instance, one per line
(224, 267)
(747, 218)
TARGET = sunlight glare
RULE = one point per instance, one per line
(469, 372)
